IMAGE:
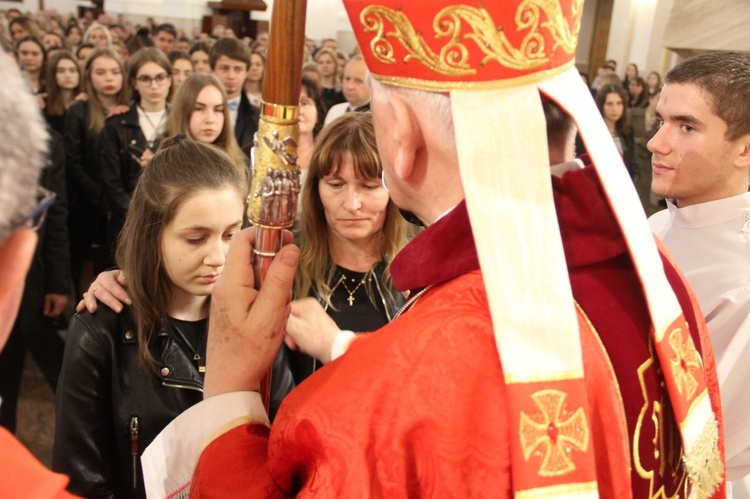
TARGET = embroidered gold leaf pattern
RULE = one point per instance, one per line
(461, 23)
(685, 361)
(553, 433)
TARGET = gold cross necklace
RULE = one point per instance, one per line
(352, 291)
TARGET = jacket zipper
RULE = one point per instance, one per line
(175, 385)
(134, 448)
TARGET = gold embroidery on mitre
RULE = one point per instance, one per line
(685, 361)
(453, 59)
(553, 432)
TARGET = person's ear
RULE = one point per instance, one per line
(743, 158)
(16, 253)
(408, 137)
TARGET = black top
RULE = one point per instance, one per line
(355, 302)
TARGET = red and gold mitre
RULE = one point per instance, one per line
(496, 60)
(443, 45)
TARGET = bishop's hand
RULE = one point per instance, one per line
(246, 326)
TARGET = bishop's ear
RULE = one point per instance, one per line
(407, 135)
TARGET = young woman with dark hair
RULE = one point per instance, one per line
(126, 376)
(611, 101)
(63, 77)
(32, 58)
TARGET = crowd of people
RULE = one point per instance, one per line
(114, 92)
(148, 162)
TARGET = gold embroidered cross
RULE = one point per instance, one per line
(685, 361)
(553, 432)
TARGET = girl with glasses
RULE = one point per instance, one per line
(129, 140)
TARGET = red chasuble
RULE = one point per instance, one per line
(420, 407)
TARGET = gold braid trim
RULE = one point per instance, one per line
(703, 463)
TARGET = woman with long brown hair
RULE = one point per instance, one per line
(107, 91)
(612, 101)
(200, 110)
(350, 231)
(63, 77)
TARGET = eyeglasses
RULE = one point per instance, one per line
(44, 199)
(148, 80)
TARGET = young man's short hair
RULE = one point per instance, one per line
(167, 28)
(724, 77)
(229, 47)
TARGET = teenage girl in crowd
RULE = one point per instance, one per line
(200, 110)
(32, 59)
(182, 67)
(103, 82)
(63, 77)
(199, 55)
(129, 140)
(98, 35)
(126, 376)
(611, 101)
(254, 81)
(329, 66)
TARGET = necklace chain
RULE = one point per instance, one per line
(352, 291)
(155, 127)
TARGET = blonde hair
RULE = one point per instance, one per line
(352, 133)
(182, 108)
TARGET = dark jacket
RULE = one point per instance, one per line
(247, 124)
(122, 145)
(88, 209)
(110, 408)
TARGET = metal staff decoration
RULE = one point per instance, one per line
(275, 183)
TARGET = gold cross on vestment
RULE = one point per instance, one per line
(553, 433)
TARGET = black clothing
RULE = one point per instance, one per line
(88, 209)
(332, 96)
(248, 117)
(109, 406)
(49, 274)
(373, 305)
(122, 145)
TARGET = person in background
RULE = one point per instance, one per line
(312, 111)
(199, 55)
(638, 96)
(653, 81)
(32, 59)
(230, 61)
(52, 41)
(63, 86)
(311, 70)
(82, 53)
(183, 44)
(73, 35)
(200, 110)
(97, 35)
(108, 94)
(165, 37)
(631, 72)
(611, 101)
(328, 64)
(126, 375)
(356, 90)
(23, 26)
(182, 67)
(129, 140)
(253, 87)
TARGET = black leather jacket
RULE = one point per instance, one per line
(110, 408)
